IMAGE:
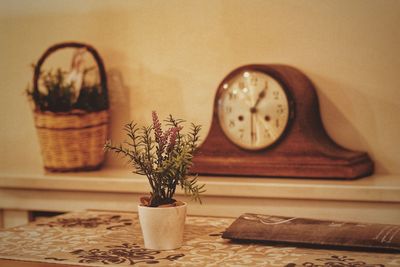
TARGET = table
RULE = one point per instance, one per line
(101, 238)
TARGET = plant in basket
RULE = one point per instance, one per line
(165, 158)
(71, 111)
(64, 93)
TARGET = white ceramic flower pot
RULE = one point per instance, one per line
(162, 228)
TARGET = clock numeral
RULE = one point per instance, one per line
(228, 109)
(241, 133)
(231, 123)
(253, 136)
(267, 134)
(254, 81)
(277, 123)
(280, 109)
(232, 96)
(276, 95)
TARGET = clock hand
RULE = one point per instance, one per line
(253, 133)
(261, 95)
(253, 111)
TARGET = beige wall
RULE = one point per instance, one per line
(171, 55)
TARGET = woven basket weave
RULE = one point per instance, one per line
(72, 141)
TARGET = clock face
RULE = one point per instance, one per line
(253, 110)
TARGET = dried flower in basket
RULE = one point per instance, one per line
(64, 91)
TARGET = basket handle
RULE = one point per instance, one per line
(96, 56)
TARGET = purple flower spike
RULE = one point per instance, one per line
(166, 135)
(157, 127)
(172, 137)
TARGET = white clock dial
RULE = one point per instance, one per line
(253, 110)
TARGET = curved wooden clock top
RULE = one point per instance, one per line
(304, 150)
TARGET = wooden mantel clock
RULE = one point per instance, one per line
(266, 122)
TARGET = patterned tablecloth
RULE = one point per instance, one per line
(109, 238)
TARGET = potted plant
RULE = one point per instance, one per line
(165, 158)
(71, 112)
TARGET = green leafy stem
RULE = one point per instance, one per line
(165, 158)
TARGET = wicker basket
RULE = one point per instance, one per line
(72, 141)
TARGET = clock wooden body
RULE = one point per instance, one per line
(304, 149)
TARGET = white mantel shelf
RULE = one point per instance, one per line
(375, 198)
(377, 188)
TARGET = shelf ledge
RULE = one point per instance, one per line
(376, 188)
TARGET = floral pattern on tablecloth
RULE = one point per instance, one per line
(111, 221)
(95, 238)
